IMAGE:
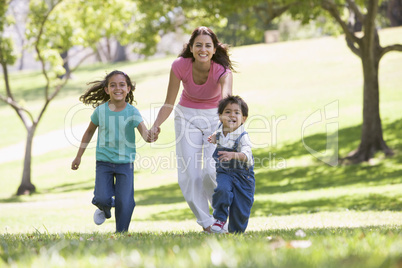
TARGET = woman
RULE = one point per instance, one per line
(205, 69)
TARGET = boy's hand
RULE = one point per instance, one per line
(212, 138)
(225, 156)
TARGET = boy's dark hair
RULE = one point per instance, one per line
(233, 99)
(96, 94)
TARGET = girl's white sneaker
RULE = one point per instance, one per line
(99, 217)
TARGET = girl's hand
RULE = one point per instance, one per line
(153, 134)
(212, 138)
(76, 163)
(225, 156)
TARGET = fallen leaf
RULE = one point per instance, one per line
(299, 244)
(300, 233)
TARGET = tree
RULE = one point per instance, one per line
(367, 48)
(106, 26)
(20, 13)
(51, 63)
(249, 25)
(53, 27)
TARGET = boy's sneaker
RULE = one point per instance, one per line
(99, 217)
(217, 227)
(225, 228)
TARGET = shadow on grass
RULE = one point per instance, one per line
(370, 202)
(62, 188)
(348, 140)
(166, 194)
(319, 175)
(173, 215)
(315, 176)
(71, 187)
(12, 199)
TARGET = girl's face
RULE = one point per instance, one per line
(117, 88)
(203, 48)
(232, 118)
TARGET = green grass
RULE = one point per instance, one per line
(350, 214)
(337, 247)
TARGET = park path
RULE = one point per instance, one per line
(56, 140)
(51, 141)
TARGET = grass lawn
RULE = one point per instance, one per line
(306, 213)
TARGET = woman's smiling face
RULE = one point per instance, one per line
(203, 48)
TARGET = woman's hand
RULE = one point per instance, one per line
(153, 134)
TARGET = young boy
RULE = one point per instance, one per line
(234, 194)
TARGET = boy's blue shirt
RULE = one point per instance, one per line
(116, 134)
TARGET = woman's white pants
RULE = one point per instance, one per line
(196, 167)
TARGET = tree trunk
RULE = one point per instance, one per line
(108, 53)
(372, 139)
(120, 53)
(26, 187)
(66, 65)
(21, 65)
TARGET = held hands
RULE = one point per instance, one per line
(153, 134)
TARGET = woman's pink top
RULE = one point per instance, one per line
(205, 96)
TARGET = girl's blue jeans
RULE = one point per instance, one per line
(115, 180)
(234, 197)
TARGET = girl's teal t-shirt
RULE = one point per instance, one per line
(116, 135)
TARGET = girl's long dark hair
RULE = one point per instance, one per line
(96, 94)
(221, 55)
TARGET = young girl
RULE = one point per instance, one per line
(115, 119)
(234, 195)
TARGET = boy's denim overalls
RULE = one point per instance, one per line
(235, 190)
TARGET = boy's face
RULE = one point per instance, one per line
(232, 117)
